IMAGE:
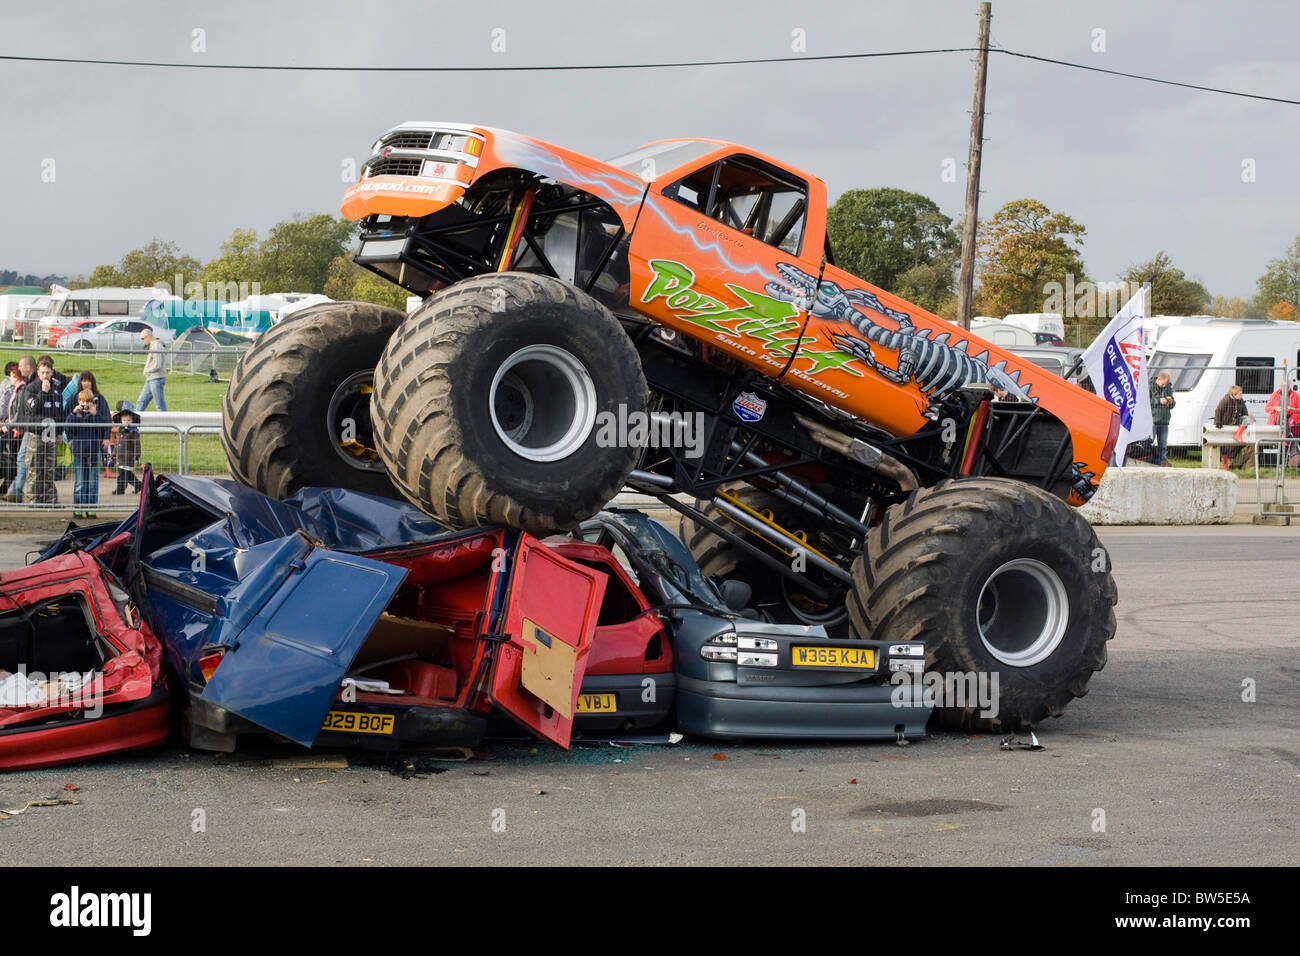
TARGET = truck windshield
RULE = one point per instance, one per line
(650, 162)
(1184, 370)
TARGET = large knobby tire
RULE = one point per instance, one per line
(490, 404)
(297, 412)
(776, 596)
(996, 577)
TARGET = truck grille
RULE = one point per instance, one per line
(411, 139)
(393, 167)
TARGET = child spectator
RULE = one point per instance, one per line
(85, 436)
(1231, 412)
(86, 381)
(126, 447)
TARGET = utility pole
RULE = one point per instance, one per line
(966, 281)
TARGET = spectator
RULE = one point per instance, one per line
(85, 484)
(41, 407)
(1231, 412)
(26, 371)
(60, 380)
(85, 436)
(1292, 413)
(1162, 405)
(155, 371)
(126, 444)
(9, 439)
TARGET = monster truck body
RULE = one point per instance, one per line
(691, 284)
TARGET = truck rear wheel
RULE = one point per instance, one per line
(492, 404)
(297, 412)
(997, 578)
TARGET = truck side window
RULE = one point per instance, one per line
(751, 197)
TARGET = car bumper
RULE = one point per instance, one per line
(414, 725)
(641, 700)
(133, 726)
(858, 711)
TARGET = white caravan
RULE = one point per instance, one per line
(999, 333)
(1157, 325)
(1204, 359)
(105, 302)
(1039, 323)
(12, 306)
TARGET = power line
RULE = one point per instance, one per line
(196, 65)
(1147, 79)
(502, 68)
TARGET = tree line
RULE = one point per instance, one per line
(1029, 259)
(303, 254)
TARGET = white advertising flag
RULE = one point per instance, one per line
(1117, 364)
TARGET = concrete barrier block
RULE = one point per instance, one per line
(1139, 494)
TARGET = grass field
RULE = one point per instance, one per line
(119, 378)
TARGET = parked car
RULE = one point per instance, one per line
(58, 332)
(337, 619)
(123, 334)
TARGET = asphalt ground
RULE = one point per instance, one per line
(1163, 763)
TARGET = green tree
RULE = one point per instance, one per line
(240, 261)
(1280, 281)
(1172, 293)
(348, 282)
(296, 255)
(1234, 308)
(882, 234)
(156, 263)
(1021, 249)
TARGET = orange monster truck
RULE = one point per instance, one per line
(672, 322)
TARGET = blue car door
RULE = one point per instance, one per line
(288, 653)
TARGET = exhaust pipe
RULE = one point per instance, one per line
(861, 452)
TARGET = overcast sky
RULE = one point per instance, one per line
(190, 155)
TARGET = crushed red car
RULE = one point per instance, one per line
(80, 674)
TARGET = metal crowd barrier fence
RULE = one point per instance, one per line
(1265, 458)
(84, 475)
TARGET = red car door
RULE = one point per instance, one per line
(545, 632)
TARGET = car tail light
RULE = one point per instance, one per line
(208, 663)
(720, 647)
(1112, 436)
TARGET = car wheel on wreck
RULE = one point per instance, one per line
(488, 404)
(297, 411)
(996, 577)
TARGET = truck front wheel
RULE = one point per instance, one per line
(999, 579)
(500, 401)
